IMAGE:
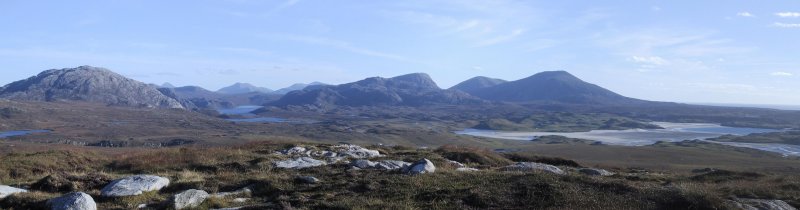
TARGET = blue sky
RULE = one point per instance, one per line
(718, 51)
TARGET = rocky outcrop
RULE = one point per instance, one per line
(293, 151)
(298, 163)
(423, 166)
(88, 84)
(531, 166)
(355, 151)
(134, 185)
(761, 204)
(73, 201)
(5, 191)
(188, 199)
(382, 164)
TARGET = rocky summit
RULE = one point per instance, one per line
(87, 84)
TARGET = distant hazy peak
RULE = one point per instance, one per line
(476, 83)
(239, 88)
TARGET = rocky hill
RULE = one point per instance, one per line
(477, 83)
(407, 90)
(298, 86)
(557, 86)
(89, 84)
(240, 88)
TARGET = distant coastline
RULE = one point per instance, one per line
(768, 106)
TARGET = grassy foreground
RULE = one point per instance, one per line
(221, 169)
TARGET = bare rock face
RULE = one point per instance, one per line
(298, 163)
(73, 201)
(88, 84)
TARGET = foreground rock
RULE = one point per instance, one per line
(188, 199)
(421, 167)
(465, 169)
(355, 151)
(5, 191)
(531, 166)
(595, 172)
(244, 191)
(761, 204)
(298, 163)
(73, 201)
(382, 164)
(134, 185)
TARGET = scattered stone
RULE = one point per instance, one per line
(298, 163)
(363, 164)
(456, 164)
(141, 206)
(241, 200)
(73, 201)
(134, 185)
(293, 151)
(308, 179)
(465, 169)
(5, 191)
(326, 154)
(355, 151)
(188, 199)
(391, 165)
(761, 204)
(421, 167)
(242, 191)
(595, 172)
(531, 166)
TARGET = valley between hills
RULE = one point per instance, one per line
(382, 143)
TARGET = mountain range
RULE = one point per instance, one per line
(93, 84)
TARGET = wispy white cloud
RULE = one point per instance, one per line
(500, 39)
(786, 25)
(745, 14)
(652, 60)
(781, 74)
(788, 14)
(343, 45)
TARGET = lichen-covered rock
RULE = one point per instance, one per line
(355, 151)
(456, 164)
(595, 172)
(298, 163)
(293, 151)
(188, 199)
(392, 164)
(363, 164)
(423, 166)
(73, 201)
(5, 191)
(134, 185)
(531, 166)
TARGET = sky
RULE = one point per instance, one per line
(711, 51)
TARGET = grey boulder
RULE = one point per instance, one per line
(531, 166)
(466, 169)
(188, 199)
(134, 185)
(5, 191)
(355, 151)
(363, 164)
(298, 163)
(391, 164)
(293, 151)
(423, 166)
(595, 172)
(73, 201)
